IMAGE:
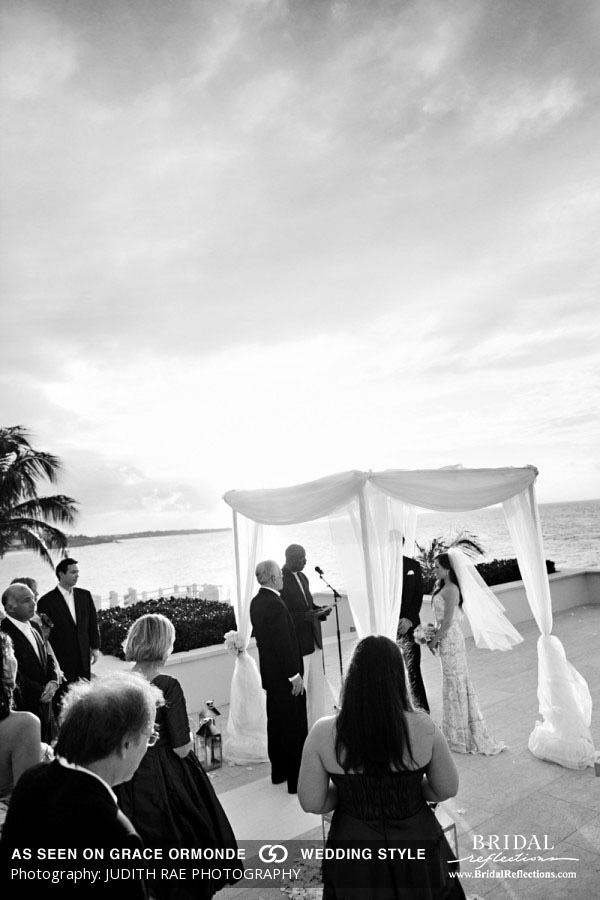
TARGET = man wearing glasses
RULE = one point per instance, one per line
(105, 728)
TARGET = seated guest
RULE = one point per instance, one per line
(20, 745)
(376, 764)
(37, 679)
(170, 799)
(105, 728)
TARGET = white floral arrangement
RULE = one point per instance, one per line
(235, 643)
(424, 633)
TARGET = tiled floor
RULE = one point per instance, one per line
(511, 794)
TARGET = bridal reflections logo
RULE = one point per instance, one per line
(505, 848)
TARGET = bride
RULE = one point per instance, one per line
(460, 589)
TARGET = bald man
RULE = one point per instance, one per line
(307, 618)
(37, 676)
(281, 671)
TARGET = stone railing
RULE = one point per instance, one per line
(218, 592)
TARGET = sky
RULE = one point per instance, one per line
(249, 243)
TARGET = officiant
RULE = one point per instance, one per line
(307, 618)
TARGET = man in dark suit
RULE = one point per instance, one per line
(307, 618)
(412, 599)
(75, 637)
(281, 671)
(37, 678)
(106, 727)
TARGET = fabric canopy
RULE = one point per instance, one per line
(452, 488)
(369, 513)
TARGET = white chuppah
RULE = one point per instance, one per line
(368, 513)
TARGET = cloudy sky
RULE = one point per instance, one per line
(247, 243)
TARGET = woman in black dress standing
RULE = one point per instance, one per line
(376, 765)
(170, 799)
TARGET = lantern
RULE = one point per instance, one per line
(208, 740)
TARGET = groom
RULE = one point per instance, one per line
(412, 599)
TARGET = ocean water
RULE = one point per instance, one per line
(571, 534)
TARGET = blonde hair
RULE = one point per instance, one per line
(150, 638)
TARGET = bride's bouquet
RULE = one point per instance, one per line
(424, 633)
(234, 642)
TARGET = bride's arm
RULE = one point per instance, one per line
(450, 596)
(315, 791)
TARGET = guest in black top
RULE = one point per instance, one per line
(377, 765)
(170, 799)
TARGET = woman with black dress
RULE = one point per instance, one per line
(170, 799)
(376, 765)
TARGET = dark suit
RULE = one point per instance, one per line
(72, 643)
(280, 659)
(33, 674)
(298, 604)
(52, 806)
(412, 599)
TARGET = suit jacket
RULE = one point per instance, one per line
(72, 643)
(412, 591)
(298, 604)
(34, 671)
(278, 649)
(52, 806)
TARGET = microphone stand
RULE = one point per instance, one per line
(336, 598)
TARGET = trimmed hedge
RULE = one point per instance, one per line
(497, 571)
(198, 623)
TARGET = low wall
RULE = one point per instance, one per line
(205, 674)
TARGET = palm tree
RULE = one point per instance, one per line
(428, 554)
(24, 516)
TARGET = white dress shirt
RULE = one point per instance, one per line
(26, 629)
(70, 601)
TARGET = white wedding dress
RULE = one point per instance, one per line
(462, 723)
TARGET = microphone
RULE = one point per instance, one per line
(319, 570)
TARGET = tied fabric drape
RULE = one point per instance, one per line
(563, 736)
(369, 512)
(245, 740)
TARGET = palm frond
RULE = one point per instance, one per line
(24, 516)
(58, 508)
(32, 541)
(468, 543)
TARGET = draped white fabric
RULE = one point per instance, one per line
(368, 513)
(563, 736)
(245, 738)
(367, 536)
(453, 488)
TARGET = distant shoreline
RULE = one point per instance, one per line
(83, 540)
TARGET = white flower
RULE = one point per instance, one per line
(235, 643)
(423, 634)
